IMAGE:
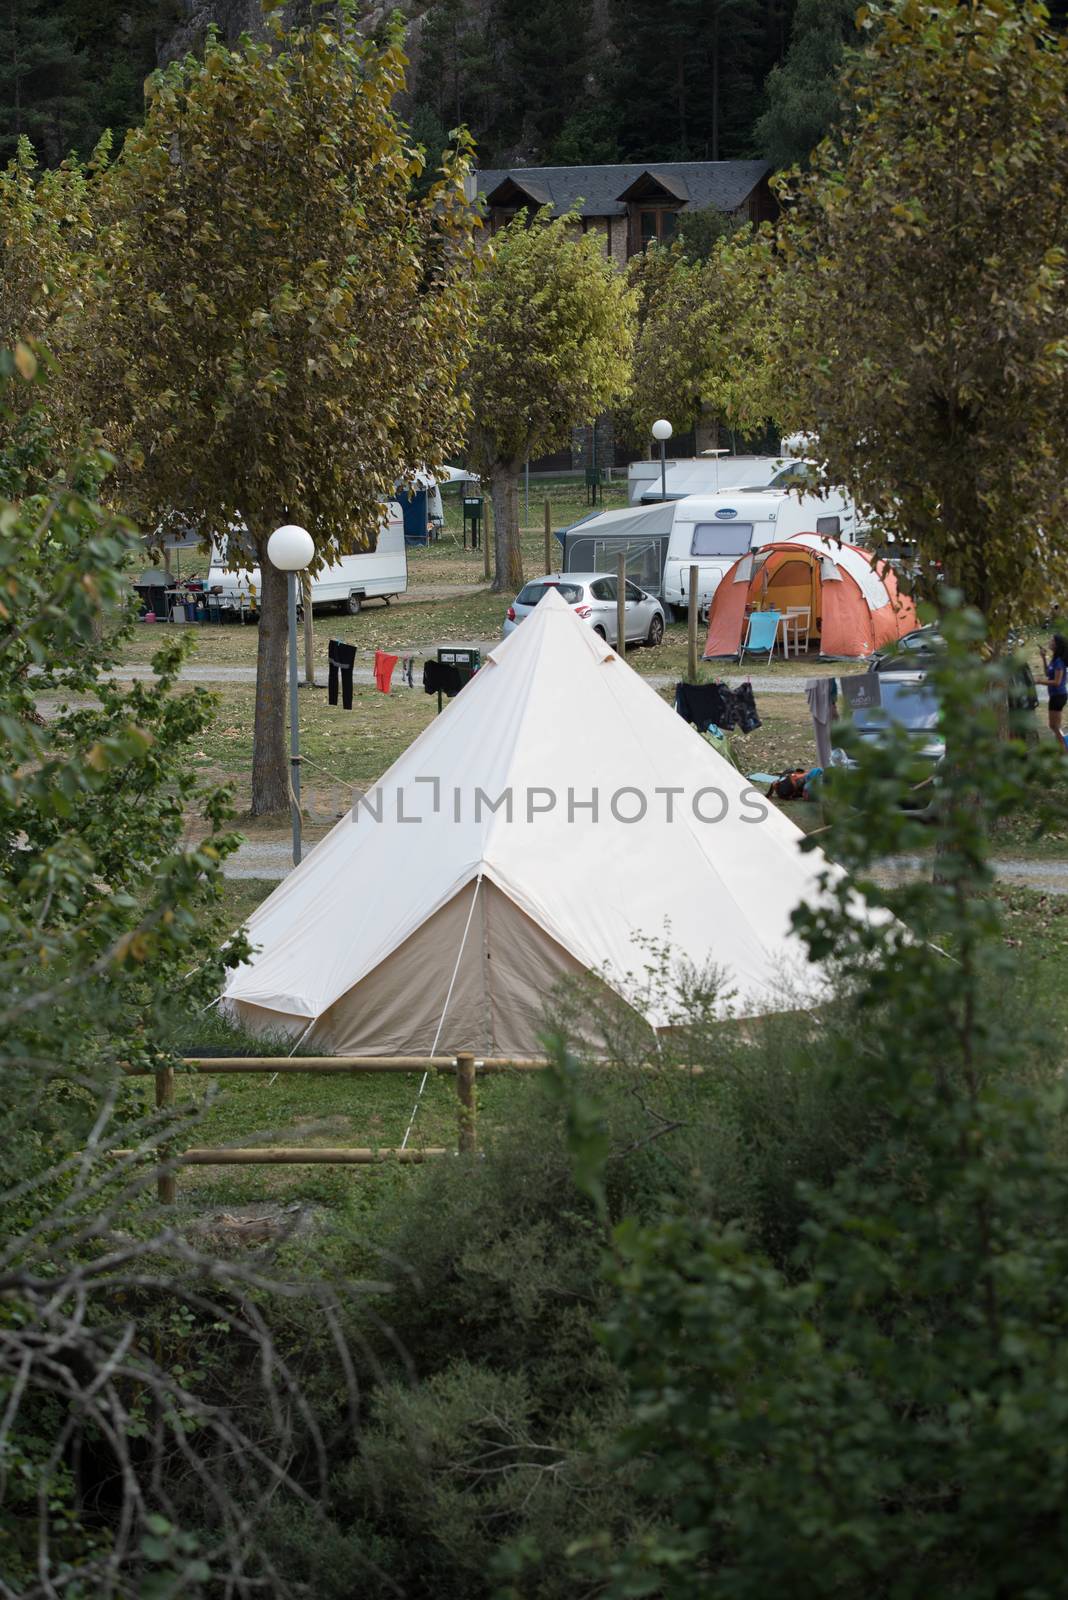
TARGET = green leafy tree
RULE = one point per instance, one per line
(707, 341)
(926, 296)
(70, 69)
(459, 66)
(280, 330)
(93, 798)
(802, 96)
(45, 235)
(112, 929)
(589, 136)
(552, 349)
(699, 231)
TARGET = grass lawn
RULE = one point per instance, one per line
(352, 749)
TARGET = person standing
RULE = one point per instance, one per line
(1056, 670)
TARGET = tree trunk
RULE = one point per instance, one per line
(508, 557)
(270, 777)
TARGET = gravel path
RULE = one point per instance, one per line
(272, 860)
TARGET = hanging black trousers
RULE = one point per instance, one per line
(341, 658)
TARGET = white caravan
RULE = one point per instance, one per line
(706, 474)
(377, 574)
(712, 531)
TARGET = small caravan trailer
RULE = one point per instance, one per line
(711, 532)
(377, 574)
(707, 474)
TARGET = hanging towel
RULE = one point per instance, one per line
(821, 703)
(702, 703)
(384, 670)
(437, 675)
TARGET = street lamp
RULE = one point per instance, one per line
(290, 549)
(663, 430)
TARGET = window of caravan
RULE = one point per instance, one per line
(798, 475)
(829, 527)
(721, 538)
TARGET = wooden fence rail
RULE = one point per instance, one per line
(465, 1068)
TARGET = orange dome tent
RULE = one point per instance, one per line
(854, 605)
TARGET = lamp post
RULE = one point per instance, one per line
(290, 549)
(663, 430)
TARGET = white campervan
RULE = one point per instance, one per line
(712, 531)
(700, 475)
(377, 574)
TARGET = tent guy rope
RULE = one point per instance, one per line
(444, 1009)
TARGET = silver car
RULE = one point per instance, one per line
(593, 596)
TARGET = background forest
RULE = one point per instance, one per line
(563, 82)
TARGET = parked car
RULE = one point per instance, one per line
(917, 652)
(593, 596)
(901, 699)
(913, 652)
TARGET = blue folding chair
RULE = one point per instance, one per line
(762, 630)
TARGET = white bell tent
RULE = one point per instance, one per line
(557, 813)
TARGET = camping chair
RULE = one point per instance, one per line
(761, 632)
(796, 621)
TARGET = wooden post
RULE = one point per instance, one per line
(487, 534)
(548, 536)
(465, 1092)
(691, 631)
(309, 633)
(621, 604)
(166, 1183)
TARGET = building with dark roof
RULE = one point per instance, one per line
(631, 204)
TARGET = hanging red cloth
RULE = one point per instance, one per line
(384, 670)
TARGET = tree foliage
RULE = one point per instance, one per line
(926, 294)
(627, 80)
(46, 232)
(71, 69)
(93, 798)
(707, 340)
(551, 350)
(110, 928)
(802, 95)
(280, 329)
(879, 1412)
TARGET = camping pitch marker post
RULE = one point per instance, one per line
(309, 632)
(691, 619)
(621, 603)
(548, 536)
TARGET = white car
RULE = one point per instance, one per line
(593, 596)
